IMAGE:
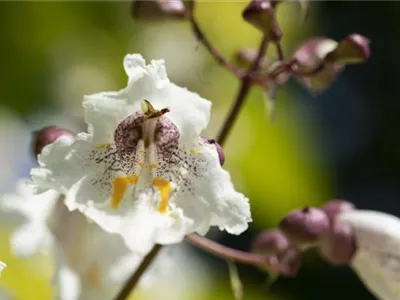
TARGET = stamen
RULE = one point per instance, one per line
(120, 184)
(164, 187)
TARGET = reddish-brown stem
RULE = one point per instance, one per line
(202, 38)
(234, 255)
(135, 277)
(245, 86)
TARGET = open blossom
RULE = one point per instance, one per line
(142, 169)
(377, 259)
(89, 262)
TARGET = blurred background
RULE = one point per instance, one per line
(338, 144)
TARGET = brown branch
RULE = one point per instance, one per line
(234, 255)
(202, 38)
(245, 86)
(134, 279)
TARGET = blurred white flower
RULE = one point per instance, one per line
(142, 170)
(377, 259)
(2, 266)
(89, 262)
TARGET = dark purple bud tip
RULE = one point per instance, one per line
(289, 261)
(339, 246)
(351, 50)
(270, 242)
(46, 136)
(261, 14)
(335, 207)
(221, 154)
(305, 226)
(158, 10)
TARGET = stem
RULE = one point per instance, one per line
(202, 38)
(245, 86)
(134, 279)
(233, 255)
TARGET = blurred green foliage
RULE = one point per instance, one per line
(46, 46)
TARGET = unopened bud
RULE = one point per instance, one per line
(261, 14)
(305, 226)
(339, 246)
(352, 50)
(156, 10)
(290, 261)
(46, 136)
(270, 242)
(220, 152)
(310, 60)
(335, 207)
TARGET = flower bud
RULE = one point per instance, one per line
(310, 58)
(270, 242)
(289, 261)
(261, 14)
(305, 226)
(352, 50)
(156, 10)
(335, 207)
(46, 136)
(221, 154)
(339, 246)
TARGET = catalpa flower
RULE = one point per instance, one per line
(377, 259)
(89, 262)
(142, 169)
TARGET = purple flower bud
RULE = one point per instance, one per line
(311, 68)
(156, 10)
(339, 246)
(335, 207)
(352, 50)
(305, 226)
(46, 136)
(270, 242)
(289, 261)
(261, 14)
(221, 154)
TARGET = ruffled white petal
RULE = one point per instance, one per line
(31, 213)
(377, 260)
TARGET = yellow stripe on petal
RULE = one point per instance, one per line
(103, 146)
(164, 188)
(120, 184)
(94, 276)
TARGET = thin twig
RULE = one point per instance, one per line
(202, 38)
(134, 279)
(234, 255)
(245, 86)
(279, 50)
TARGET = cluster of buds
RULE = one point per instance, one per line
(307, 228)
(316, 62)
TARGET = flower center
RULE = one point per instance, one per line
(145, 142)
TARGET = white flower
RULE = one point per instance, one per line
(142, 170)
(89, 262)
(2, 266)
(377, 259)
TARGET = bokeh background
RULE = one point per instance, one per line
(342, 143)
